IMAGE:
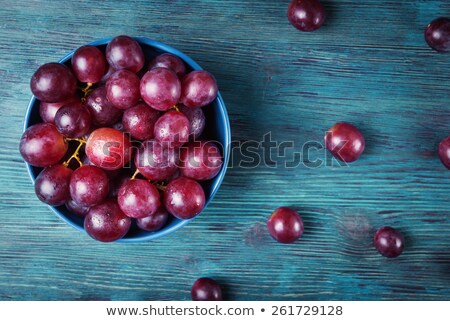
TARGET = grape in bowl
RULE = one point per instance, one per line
(107, 102)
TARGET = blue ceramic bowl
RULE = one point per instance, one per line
(217, 129)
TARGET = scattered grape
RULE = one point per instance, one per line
(206, 289)
(389, 242)
(345, 142)
(285, 225)
(306, 15)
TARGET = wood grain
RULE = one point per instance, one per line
(368, 65)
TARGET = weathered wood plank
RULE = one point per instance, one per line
(368, 65)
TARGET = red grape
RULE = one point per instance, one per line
(206, 289)
(47, 111)
(173, 127)
(89, 185)
(106, 222)
(169, 61)
(389, 242)
(184, 198)
(122, 89)
(138, 198)
(108, 148)
(89, 64)
(53, 82)
(285, 225)
(437, 34)
(160, 88)
(345, 142)
(42, 145)
(198, 89)
(124, 52)
(52, 185)
(73, 120)
(196, 118)
(306, 15)
(156, 161)
(103, 113)
(139, 121)
(444, 152)
(155, 221)
(200, 160)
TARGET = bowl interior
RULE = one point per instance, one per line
(217, 129)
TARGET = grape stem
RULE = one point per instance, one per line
(135, 174)
(87, 90)
(75, 154)
(161, 186)
(176, 107)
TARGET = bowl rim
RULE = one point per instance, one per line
(226, 149)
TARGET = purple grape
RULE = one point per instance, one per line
(444, 152)
(89, 185)
(389, 242)
(196, 119)
(139, 121)
(345, 142)
(160, 88)
(47, 111)
(198, 89)
(77, 209)
(169, 61)
(206, 289)
(106, 222)
(138, 198)
(122, 89)
(173, 128)
(89, 64)
(53, 82)
(108, 148)
(73, 120)
(184, 198)
(200, 160)
(437, 34)
(42, 145)
(52, 185)
(124, 52)
(155, 221)
(285, 225)
(102, 111)
(156, 161)
(306, 15)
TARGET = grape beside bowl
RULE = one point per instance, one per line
(217, 129)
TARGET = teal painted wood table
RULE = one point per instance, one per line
(368, 65)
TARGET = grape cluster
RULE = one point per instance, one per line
(120, 138)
